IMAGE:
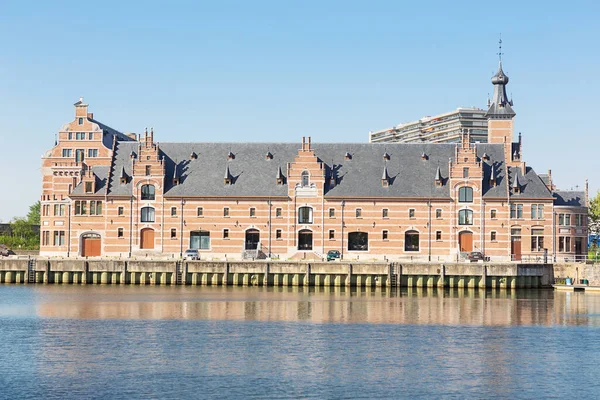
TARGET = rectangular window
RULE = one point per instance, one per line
(70, 135)
(173, 211)
(579, 221)
(493, 236)
(200, 212)
(89, 187)
(384, 213)
(80, 121)
(252, 212)
(91, 136)
(537, 211)
(411, 213)
(67, 152)
(173, 233)
(225, 233)
(80, 136)
(438, 235)
(92, 153)
(59, 238)
(226, 212)
(305, 215)
(278, 212)
(567, 219)
(561, 219)
(46, 238)
(147, 214)
(567, 244)
(358, 213)
(59, 210)
(79, 155)
(332, 213)
(465, 172)
(537, 240)
(120, 211)
(148, 170)
(384, 235)
(516, 211)
(278, 234)
(80, 207)
(92, 207)
(493, 214)
(120, 232)
(331, 234)
(438, 213)
(561, 244)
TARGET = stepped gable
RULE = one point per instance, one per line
(531, 185)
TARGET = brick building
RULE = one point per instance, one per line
(110, 194)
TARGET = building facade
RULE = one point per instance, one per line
(443, 128)
(110, 194)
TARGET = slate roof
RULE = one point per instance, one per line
(254, 174)
(101, 180)
(570, 198)
(530, 184)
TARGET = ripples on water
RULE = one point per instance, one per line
(203, 342)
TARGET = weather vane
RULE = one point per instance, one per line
(500, 48)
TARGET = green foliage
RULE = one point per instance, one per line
(594, 214)
(14, 243)
(33, 216)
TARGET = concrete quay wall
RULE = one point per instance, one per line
(280, 273)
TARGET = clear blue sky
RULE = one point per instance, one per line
(279, 70)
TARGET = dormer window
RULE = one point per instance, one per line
(424, 157)
(386, 156)
(230, 156)
(269, 156)
(148, 170)
(80, 121)
(193, 156)
(89, 187)
(305, 179)
(347, 156)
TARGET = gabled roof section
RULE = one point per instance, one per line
(569, 198)
(101, 174)
(530, 184)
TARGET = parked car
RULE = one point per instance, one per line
(5, 251)
(474, 256)
(191, 254)
(333, 255)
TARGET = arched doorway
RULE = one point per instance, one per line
(465, 241)
(90, 245)
(147, 239)
(252, 239)
(305, 240)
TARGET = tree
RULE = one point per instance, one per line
(594, 214)
(21, 228)
(33, 216)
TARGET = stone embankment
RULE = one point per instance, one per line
(276, 273)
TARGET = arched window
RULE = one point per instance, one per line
(465, 217)
(305, 215)
(411, 241)
(305, 178)
(147, 214)
(358, 241)
(465, 195)
(148, 192)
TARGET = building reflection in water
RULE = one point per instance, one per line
(322, 305)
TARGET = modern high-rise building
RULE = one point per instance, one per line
(443, 128)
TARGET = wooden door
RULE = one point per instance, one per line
(515, 248)
(147, 239)
(90, 247)
(465, 241)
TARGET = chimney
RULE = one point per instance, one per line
(81, 109)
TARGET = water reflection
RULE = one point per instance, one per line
(316, 305)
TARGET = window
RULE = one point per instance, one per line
(561, 244)
(91, 136)
(305, 215)
(358, 213)
(59, 210)
(384, 235)
(278, 212)
(200, 240)
(331, 234)
(148, 192)
(567, 219)
(95, 207)
(120, 211)
(226, 212)
(465, 172)
(579, 219)
(148, 170)
(147, 214)
(200, 212)
(70, 135)
(537, 211)
(92, 152)
(305, 179)
(225, 233)
(120, 232)
(358, 241)
(173, 211)
(173, 233)
(80, 136)
(80, 121)
(59, 238)
(438, 236)
(493, 214)
(89, 187)
(537, 239)
(493, 236)
(411, 241)
(46, 238)
(45, 210)
(252, 212)
(79, 155)
(278, 234)
(567, 244)
(465, 217)
(516, 211)
(465, 194)
(438, 213)
(332, 213)
(67, 152)
(384, 213)
(411, 213)
(80, 207)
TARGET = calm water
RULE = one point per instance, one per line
(201, 342)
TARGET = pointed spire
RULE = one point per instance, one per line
(515, 186)
(385, 177)
(501, 106)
